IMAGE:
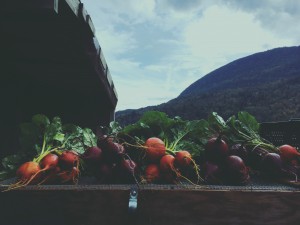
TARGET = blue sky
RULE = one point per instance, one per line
(157, 48)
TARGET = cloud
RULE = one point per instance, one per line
(157, 48)
(215, 39)
(180, 6)
(274, 15)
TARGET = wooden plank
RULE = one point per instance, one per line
(13, 6)
(109, 78)
(115, 92)
(176, 207)
(97, 45)
(74, 6)
(64, 207)
(90, 23)
(103, 62)
(157, 204)
(82, 12)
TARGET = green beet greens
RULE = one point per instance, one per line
(41, 136)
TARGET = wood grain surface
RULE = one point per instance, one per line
(218, 207)
(157, 205)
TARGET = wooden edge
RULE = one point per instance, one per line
(73, 5)
(12, 6)
(97, 46)
(103, 62)
(109, 78)
(86, 18)
(154, 187)
(90, 23)
(115, 91)
(78, 9)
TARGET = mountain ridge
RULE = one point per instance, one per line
(261, 83)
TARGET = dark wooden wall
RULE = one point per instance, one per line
(50, 63)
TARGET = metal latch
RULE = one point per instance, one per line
(132, 206)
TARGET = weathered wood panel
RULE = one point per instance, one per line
(163, 204)
(50, 64)
(218, 207)
(74, 6)
(12, 6)
(91, 207)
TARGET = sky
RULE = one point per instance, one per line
(157, 48)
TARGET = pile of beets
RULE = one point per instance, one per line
(236, 164)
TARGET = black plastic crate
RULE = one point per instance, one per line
(283, 132)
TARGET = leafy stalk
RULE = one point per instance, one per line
(243, 129)
(42, 136)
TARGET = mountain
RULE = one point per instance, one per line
(265, 84)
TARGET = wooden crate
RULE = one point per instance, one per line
(282, 132)
(156, 205)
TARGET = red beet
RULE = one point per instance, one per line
(288, 153)
(272, 165)
(113, 151)
(216, 149)
(27, 171)
(211, 173)
(155, 149)
(92, 155)
(68, 159)
(167, 163)
(69, 176)
(239, 150)
(235, 171)
(256, 156)
(50, 161)
(128, 166)
(183, 159)
(126, 171)
(152, 173)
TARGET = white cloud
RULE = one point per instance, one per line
(221, 34)
(116, 43)
(157, 48)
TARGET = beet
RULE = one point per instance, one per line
(211, 173)
(128, 166)
(113, 152)
(166, 164)
(216, 149)
(92, 155)
(68, 159)
(155, 149)
(272, 165)
(152, 173)
(51, 176)
(103, 141)
(126, 171)
(69, 176)
(256, 156)
(27, 172)
(183, 159)
(239, 150)
(50, 161)
(171, 177)
(288, 153)
(235, 171)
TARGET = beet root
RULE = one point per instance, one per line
(235, 171)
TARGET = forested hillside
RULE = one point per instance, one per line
(265, 84)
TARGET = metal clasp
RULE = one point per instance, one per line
(132, 206)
